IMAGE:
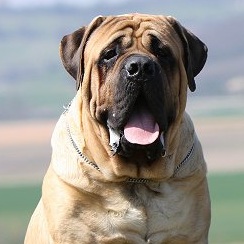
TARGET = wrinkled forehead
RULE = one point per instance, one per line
(129, 28)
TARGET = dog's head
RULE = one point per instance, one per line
(133, 71)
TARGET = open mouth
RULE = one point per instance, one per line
(140, 132)
(141, 128)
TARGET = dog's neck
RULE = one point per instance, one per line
(77, 150)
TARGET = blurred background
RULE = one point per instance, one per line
(34, 87)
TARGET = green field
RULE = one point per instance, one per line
(17, 204)
(227, 196)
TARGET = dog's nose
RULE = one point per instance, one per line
(138, 66)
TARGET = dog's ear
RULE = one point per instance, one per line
(195, 52)
(72, 49)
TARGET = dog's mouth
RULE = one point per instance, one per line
(141, 128)
(140, 132)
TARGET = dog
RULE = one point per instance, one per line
(126, 165)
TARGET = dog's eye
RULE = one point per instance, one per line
(109, 54)
(162, 51)
(159, 48)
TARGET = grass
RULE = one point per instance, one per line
(227, 198)
(18, 202)
(16, 206)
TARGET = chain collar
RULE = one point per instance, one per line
(81, 155)
(84, 159)
(184, 161)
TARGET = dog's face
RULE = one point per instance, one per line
(134, 71)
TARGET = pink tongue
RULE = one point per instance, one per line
(141, 128)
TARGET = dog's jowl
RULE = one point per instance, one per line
(126, 165)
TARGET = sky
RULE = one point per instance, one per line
(26, 3)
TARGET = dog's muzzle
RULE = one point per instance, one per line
(135, 121)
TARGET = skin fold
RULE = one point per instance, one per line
(127, 68)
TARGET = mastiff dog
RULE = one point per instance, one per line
(126, 165)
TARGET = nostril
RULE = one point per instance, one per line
(133, 69)
(140, 67)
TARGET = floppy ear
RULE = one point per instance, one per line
(195, 53)
(72, 49)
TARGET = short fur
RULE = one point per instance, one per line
(80, 204)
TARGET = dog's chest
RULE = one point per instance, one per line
(148, 214)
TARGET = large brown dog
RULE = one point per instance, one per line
(126, 166)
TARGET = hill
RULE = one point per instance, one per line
(33, 83)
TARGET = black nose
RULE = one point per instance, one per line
(138, 66)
